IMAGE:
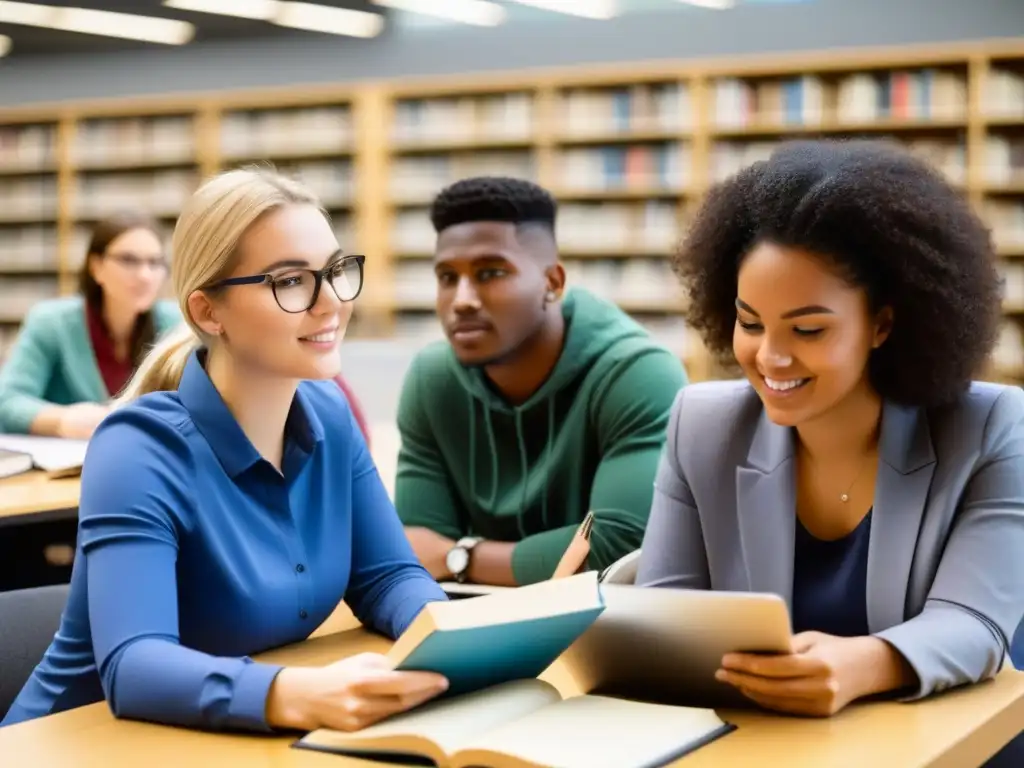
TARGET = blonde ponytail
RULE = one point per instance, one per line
(163, 366)
(206, 237)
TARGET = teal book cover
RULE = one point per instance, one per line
(479, 657)
(510, 635)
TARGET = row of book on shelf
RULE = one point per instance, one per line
(587, 228)
(861, 97)
(665, 166)
(925, 94)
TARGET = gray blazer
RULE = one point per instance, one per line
(945, 581)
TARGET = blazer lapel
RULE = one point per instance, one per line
(766, 508)
(905, 468)
(81, 371)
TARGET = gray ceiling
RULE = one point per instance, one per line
(33, 41)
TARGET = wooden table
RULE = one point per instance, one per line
(33, 497)
(958, 729)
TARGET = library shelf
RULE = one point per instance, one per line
(628, 150)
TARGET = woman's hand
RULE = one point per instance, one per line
(822, 675)
(79, 421)
(347, 695)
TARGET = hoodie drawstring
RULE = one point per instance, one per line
(524, 468)
(492, 447)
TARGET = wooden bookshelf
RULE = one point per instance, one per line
(29, 255)
(629, 150)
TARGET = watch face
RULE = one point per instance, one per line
(457, 560)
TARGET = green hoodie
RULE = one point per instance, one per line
(589, 439)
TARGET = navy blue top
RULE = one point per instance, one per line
(195, 552)
(830, 582)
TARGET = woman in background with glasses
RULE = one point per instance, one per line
(74, 354)
(229, 504)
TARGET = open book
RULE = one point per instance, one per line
(506, 635)
(527, 724)
(58, 457)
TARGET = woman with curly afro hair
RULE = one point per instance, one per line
(856, 470)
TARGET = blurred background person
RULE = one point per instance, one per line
(74, 354)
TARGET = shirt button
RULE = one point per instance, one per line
(300, 568)
(303, 614)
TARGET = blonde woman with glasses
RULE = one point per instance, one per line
(229, 503)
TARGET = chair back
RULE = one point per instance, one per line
(623, 570)
(29, 618)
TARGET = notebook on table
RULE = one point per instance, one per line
(56, 456)
(14, 463)
(527, 724)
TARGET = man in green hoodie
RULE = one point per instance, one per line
(543, 404)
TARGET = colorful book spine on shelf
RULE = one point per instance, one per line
(639, 108)
(860, 97)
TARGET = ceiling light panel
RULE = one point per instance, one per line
(588, 9)
(87, 21)
(261, 10)
(334, 21)
(311, 16)
(482, 13)
(29, 14)
(716, 5)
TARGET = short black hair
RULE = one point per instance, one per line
(890, 223)
(493, 198)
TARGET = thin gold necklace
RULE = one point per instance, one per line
(845, 497)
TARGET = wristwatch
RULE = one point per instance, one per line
(457, 559)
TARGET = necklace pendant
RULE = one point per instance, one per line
(844, 498)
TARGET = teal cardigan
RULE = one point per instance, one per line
(53, 363)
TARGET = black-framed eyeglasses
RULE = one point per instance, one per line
(296, 289)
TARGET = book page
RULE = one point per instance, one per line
(593, 732)
(449, 723)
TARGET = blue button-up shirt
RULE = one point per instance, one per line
(195, 552)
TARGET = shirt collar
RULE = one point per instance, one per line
(220, 429)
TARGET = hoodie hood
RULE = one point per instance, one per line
(593, 326)
(595, 329)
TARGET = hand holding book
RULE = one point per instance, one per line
(347, 695)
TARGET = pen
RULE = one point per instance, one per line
(575, 556)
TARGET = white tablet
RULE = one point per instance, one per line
(664, 645)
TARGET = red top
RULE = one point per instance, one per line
(115, 373)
